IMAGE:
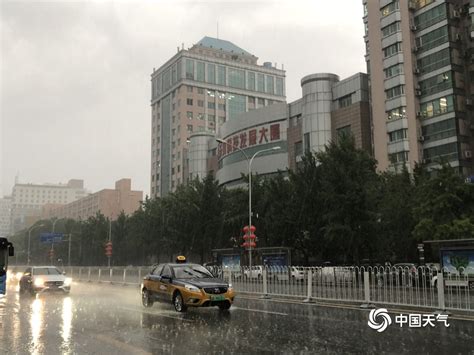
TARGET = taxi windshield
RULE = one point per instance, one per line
(191, 272)
(46, 271)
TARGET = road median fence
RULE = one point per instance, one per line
(369, 286)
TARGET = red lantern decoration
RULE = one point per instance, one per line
(252, 229)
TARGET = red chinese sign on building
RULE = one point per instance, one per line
(252, 137)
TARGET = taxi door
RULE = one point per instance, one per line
(153, 281)
(165, 287)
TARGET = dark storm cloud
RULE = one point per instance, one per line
(75, 75)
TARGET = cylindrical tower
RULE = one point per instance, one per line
(316, 110)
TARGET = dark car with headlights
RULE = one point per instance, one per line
(185, 285)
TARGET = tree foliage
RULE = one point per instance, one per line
(333, 207)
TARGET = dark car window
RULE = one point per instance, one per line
(191, 272)
(157, 270)
(46, 271)
(166, 271)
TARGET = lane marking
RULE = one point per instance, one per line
(155, 314)
(131, 349)
(353, 307)
(259, 310)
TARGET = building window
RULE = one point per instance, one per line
(446, 151)
(307, 143)
(201, 91)
(345, 101)
(392, 49)
(395, 92)
(189, 114)
(394, 70)
(437, 107)
(236, 78)
(436, 83)
(190, 69)
(431, 17)
(189, 102)
(221, 119)
(211, 105)
(343, 131)
(200, 71)
(190, 127)
(251, 81)
(261, 82)
(432, 39)
(398, 135)
(400, 157)
(189, 88)
(237, 105)
(270, 87)
(397, 113)
(439, 130)
(221, 107)
(211, 73)
(221, 75)
(279, 86)
(391, 29)
(211, 118)
(261, 102)
(390, 8)
(200, 103)
(434, 61)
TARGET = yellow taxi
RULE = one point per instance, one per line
(185, 285)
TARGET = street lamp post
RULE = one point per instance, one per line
(29, 240)
(249, 164)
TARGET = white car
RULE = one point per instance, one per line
(39, 279)
(255, 273)
(283, 273)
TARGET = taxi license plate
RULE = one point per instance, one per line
(217, 298)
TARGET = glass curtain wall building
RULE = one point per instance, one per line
(420, 62)
(196, 91)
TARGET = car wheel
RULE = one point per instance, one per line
(178, 303)
(224, 306)
(146, 299)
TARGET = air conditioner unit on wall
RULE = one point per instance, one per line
(417, 92)
(413, 27)
(468, 154)
(468, 102)
(421, 138)
(456, 14)
(416, 70)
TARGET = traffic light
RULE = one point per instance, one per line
(108, 249)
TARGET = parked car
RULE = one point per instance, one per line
(283, 273)
(39, 279)
(256, 272)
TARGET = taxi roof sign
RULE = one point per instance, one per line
(180, 259)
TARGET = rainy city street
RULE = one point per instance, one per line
(98, 318)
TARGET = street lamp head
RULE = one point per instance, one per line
(276, 148)
(220, 140)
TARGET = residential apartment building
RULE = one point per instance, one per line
(420, 62)
(28, 200)
(198, 90)
(5, 216)
(109, 202)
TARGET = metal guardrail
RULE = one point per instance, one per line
(407, 286)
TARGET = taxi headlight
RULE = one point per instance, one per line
(39, 282)
(192, 288)
(19, 275)
(230, 287)
(67, 281)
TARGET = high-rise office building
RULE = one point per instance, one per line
(197, 90)
(421, 72)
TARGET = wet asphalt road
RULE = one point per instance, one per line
(105, 319)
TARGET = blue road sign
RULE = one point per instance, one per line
(51, 237)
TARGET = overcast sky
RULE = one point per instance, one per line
(75, 76)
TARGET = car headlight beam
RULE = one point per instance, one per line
(67, 281)
(39, 282)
